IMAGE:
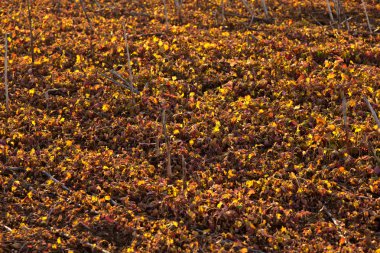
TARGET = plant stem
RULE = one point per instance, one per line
(167, 141)
(31, 31)
(6, 73)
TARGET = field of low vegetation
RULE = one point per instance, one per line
(189, 126)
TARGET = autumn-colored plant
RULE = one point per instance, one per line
(189, 126)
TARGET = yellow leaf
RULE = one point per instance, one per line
(105, 107)
(249, 183)
(331, 127)
(113, 39)
(191, 142)
(59, 241)
(30, 195)
(331, 76)
(217, 127)
(176, 131)
(107, 198)
(32, 91)
(273, 124)
(69, 143)
(78, 61)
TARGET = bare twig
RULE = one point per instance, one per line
(366, 16)
(96, 247)
(128, 55)
(184, 185)
(55, 180)
(336, 222)
(166, 15)
(7, 228)
(31, 31)
(370, 146)
(14, 169)
(338, 11)
(329, 10)
(265, 8)
(246, 4)
(223, 11)
(6, 73)
(178, 6)
(86, 15)
(343, 13)
(372, 112)
(344, 111)
(113, 80)
(117, 82)
(167, 141)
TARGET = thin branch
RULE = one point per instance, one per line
(246, 4)
(337, 11)
(168, 165)
(265, 8)
(178, 5)
(129, 86)
(372, 111)
(329, 10)
(7, 228)
(128, 55)
(85, 14)
(166, 15)
(96, 247)
(366, 16)
(14, 169)
(113, 80)
(55, 180)
(184, 185)
(336, 222)
(223, 11)
(6, 73)
(344, 111)
(31, 31)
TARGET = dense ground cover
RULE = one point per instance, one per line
(262, 157)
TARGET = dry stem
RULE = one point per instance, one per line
(366, 16)
(372, 111)
(167, 141)
(31, 31)
(6, 73)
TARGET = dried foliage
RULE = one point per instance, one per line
(266, 144)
